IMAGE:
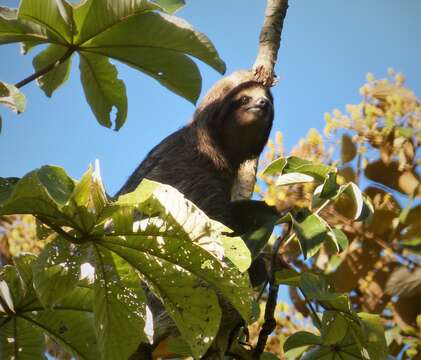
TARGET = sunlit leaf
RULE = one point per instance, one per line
(13, 29)
(11, 97)
(103, 89)
(171, 6)
(57, 271)
(22, 332)
(57, 76)
(55, 15)
(301, 338)
(119, 306)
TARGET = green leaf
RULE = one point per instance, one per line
(93, 17)
(288, 277)
(175, 71)
(348, 149)
(40, 192)
(22, 331)
(88, 200)
(11, 97)
(296, 170)
(363, 207)
(334, 327)
(326, 191)
(57, 271)
(171, 6)
(161, 32)
(339, 238)
(316, 287)
(103, 90)
(19, 339)
(301, 338)
(254, 222)
(195, 310)
(183, 220)
(57, 76)
(119, 306)
(6, 187)
(13, 29)
(371, 335)
(311, 231)
(54, 15)
(158, 46)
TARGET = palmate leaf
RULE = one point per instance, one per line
(153, 234)
(102, 89)
(57, 76)
(14, 30)
(53, 15)
(22, 330)
(129, 31)
(119, 306)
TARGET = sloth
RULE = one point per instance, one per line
(201, 160)
(230, 126)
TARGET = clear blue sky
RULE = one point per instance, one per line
(327, 48)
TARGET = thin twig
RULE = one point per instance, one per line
(312, 309)
(46, 69)
(270, 322)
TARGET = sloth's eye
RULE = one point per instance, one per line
(244, 100)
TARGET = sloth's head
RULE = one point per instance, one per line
(237, 114)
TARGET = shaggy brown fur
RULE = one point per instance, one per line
(201, 160)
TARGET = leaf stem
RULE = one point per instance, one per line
(46, 69)
(310, 306)
(58, 230)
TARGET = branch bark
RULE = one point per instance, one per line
(263, 68)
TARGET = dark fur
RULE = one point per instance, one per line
(202, 159)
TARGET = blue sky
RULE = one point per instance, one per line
(327, 48)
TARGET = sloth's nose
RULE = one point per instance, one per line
(262, 102)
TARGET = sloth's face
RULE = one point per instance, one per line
(253, 106)
(245, 122)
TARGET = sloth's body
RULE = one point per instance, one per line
(202, 159)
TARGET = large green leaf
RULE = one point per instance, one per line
(56, 77)
(41, 192)
(192, 304)
(119, 306)
(56, 271)
(13, 29)
(103, 89)
(150, 232)
(54, 15)
(159, 32)
(174, 70)
(22, 330)
(92, 17)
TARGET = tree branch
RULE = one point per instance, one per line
(270, 322)
(270, 40)
(46, 69)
